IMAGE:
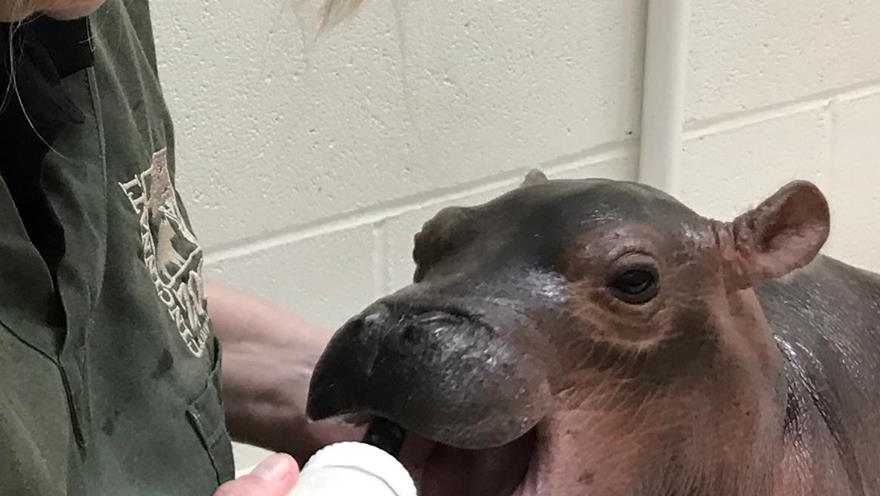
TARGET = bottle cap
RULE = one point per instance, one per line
(348, 466)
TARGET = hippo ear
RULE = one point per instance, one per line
(784, 233)
(534, 177)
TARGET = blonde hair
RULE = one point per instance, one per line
(335, 11)
(16, 10)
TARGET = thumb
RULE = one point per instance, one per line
(275, 476)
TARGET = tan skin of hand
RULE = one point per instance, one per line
(275, 476)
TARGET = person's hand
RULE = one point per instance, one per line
(275, 476)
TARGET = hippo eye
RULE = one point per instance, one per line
(635, 286)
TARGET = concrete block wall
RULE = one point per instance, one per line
(781, 90)
(309, 162)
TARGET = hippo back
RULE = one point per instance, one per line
(826, 320)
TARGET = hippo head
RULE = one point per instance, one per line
(581, 338)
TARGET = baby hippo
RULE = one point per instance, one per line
(599, 338)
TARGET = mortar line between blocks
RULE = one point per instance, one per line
(380, 258)
(395, 208)
(731, 121)
(386, 268)
(832, 123)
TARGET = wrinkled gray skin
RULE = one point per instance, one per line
(594, 337)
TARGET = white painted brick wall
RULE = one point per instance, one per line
(854, 178)
(730, 169)
(753, 54)
(308, 164)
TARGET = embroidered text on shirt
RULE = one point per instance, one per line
(170, 251)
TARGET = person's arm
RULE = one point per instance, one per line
(268, 357)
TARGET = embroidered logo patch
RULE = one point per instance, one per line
(170, 251)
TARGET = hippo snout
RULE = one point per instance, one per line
(444, 374)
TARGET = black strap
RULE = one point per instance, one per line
(68, 44)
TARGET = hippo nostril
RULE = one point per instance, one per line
(377, 318)
(438, 318)
(417, 330)
(439, 324)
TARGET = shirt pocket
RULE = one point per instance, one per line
(206, 415)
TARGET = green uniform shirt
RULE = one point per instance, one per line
(109, 372)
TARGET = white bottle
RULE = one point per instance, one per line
(354, 469)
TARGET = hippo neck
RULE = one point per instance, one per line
(815, 440)
(826, 323)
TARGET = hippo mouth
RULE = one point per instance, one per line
(469, 395)
(439, 469)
